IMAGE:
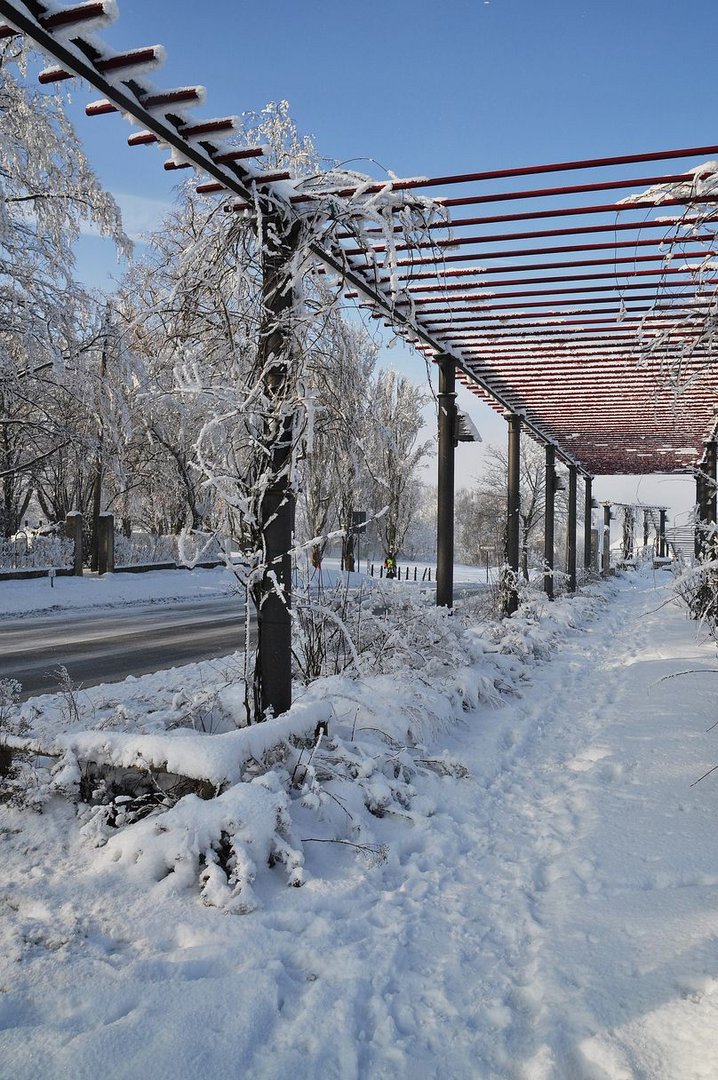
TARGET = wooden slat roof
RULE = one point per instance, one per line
(592, 317)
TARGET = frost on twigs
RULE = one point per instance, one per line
(239, 313)
(697, 587)
(679, 359)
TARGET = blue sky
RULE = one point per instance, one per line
(426, 88)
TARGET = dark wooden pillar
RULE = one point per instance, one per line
(106, 544)
(662, 534)
(549, 528)
(73, 530)
(606, 556)
(710, 482)
(645, 531)
(587, 523)
(273, 673)
(445, 480)
(571, 537)
(700, 512)
(513, 531)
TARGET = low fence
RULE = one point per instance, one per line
(29, 554)
(30, 551)
(147, 550)
(402, 573)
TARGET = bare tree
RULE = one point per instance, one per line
(47, 192)
(532, 492)
(395, 456)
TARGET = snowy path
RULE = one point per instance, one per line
(555, 919)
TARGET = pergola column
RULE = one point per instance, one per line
(645, 530)
(513, 508)
(661, 534)
(445, 482)
(710, 483)
(571, 532)
(700, 512)
(273, 595)
(606, 560)
(549, 520)
(587, 522)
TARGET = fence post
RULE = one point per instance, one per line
(106, 544)
(73, 531)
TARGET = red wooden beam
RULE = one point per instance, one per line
(585, 230)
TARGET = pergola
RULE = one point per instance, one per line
(578, 298)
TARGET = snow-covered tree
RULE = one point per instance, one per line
(394, 454)
(334, 475)
(48, 193)
(492, 487)
(480, 516)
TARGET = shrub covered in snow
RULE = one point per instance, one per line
(35, 552)
(171, 786)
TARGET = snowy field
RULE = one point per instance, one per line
(506, 870)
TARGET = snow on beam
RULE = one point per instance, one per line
(571, 264)
(189, 96)
(224, 158)
(91, 15)
(561, 249)
(135, 60)
(664, 223)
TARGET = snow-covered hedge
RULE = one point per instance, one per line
(143, 549)
(178, 805)
(31, 552)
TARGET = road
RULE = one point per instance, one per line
(110, 645)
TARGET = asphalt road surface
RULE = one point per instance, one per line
(110, 645)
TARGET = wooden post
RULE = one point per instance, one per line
(709, 469)
(511, 597)
(571, 537)
(606, 561)
(549, 521)
(445, 480)
(73, 530)
(273, 596)
(645, 530)
(106, 544)
(662, 534)
(700, 513)
(587, 523)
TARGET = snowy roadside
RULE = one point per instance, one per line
(506, 874)
(71, 594)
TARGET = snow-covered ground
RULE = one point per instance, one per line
(70, 594)
(112, 590)
(532, 897)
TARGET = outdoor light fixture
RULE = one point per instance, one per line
(465, 429)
